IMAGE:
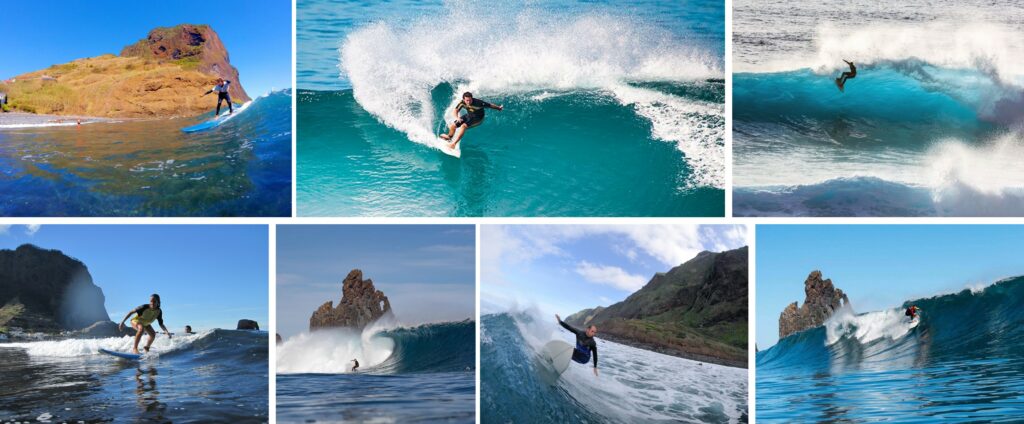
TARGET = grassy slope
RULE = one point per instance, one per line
(113, 86)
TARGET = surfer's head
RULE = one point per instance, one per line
(467, 97)
(591, 331)
(188, 329)
(154, 300)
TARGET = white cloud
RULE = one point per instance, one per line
(31, 229)
(4, 228)
(610, 276)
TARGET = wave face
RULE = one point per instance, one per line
(151, 168)
(593, 95)
(645, 386)
(963, 358)
(214, 376)
(935, 112)
(440, 347)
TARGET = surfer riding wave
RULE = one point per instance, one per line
(143, 320)
(585, 343)
(474, 116)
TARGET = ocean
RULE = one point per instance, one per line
(212, 376)
(611, 108)
(634, 385)
(930, 126)
(425, 373)
(962, 362)
(152, 168)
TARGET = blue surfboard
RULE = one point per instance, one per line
(122, 355)
(215, 122)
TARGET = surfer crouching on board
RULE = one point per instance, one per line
(841, 81)
(474, 116)
(144, 317)
(912, 312)
(585, 343)
(222, 94)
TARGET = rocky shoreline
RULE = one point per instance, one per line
(31, 120)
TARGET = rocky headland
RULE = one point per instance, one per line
(822, 299)
(361, 303)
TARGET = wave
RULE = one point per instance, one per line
(218, 343)
(382, 348)
(985, 324)
(396, 72)
(989, 48)
(646, 386)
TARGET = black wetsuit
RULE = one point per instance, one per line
(848, 75)
(222, 95)
(356, 365)
(475, 112)
(585, 345)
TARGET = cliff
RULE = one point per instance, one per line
(821, 300)
(46, 291)
(360, 305)
(697, 310)
(162, 75)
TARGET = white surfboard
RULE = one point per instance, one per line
(217, 121)
(442, 145)
(557, 354)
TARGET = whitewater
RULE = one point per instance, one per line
(928, 127)
(960, 360)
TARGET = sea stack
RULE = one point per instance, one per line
(821, 301)
(360, 305)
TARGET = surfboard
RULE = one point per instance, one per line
(216, 122)
(838, 85)
(122, 355)
(557, 354)
(442, 145)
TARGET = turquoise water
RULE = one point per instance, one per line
(152, 168)
(610, 109)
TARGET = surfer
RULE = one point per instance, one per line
(145, 315)
(188, 329)
(356, 366)
(474, 116)
(912, 312)
(585, 343)
(841, 81)
(222, 94)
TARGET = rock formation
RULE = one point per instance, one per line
(697, 310)
(162, 75)
(192, 46)
(822, 300)
(104, 329)
(360, 305)
(46, 291)
(247, 324)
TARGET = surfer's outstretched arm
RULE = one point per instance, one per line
(160, 320)
(120, 327)
(566, 326)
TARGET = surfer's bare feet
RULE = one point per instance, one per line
(452, 145)
(445, 137)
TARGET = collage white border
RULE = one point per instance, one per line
(750, 223)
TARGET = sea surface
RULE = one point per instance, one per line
(932, 125)
(212, 376)
(151, 167)
(962, 361)
(611, 108)
(407, 374)
(633, 385)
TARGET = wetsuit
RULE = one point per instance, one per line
(146, 314)
(585, 345)
(474, 113)
(222, 95)
(848, 75)
(356, 365)
(911, 312)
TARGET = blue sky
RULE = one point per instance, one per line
(878, 266)
(428, 272)
(208, 276)
(41, 33)
(565, 268)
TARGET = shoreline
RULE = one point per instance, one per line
(32, 120)
(665, 350)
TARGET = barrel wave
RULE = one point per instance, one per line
(962, 360)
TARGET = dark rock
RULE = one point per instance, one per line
(821, 301)
(190, 44)
(247, 324)
(697, 310)
(47, 291)
(360, 305)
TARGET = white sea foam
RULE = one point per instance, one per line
(332, 351)
(393, 68)
(83, 347)
(891, 324)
